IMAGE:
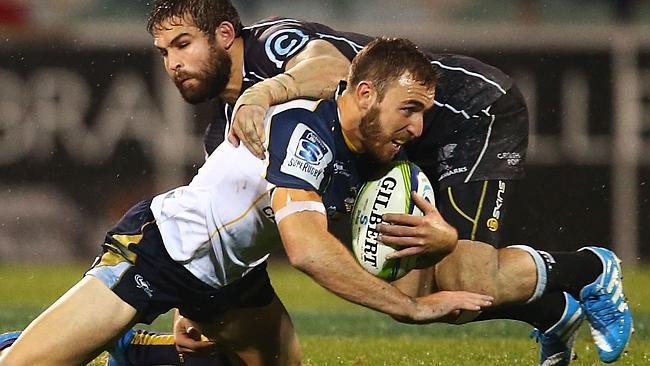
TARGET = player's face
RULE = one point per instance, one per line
(396, 119)
(199, 67)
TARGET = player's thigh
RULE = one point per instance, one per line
(74, 329)
(257, 335)
(418, 282)
(508, 274)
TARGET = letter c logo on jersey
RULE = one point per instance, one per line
(282, 44)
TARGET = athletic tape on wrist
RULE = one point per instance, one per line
(540, 265)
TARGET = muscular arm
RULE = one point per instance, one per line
(313, 72)
(317, 70)
(313, 250)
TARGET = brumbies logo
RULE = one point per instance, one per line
(307, 156)
(282, 44)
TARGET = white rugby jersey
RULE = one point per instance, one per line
(221, 225)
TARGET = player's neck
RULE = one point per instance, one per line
(233, 89)
(349, 117)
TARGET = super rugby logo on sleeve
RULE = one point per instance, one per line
(282, 44)
(307, 156)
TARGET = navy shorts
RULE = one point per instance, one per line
(135, 265)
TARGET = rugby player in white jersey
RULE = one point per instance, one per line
(197, 247)
(473, 145)
(292, 57)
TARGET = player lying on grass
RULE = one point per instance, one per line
(307, 139)
(205, 50)
(473, 145)
(200, 248)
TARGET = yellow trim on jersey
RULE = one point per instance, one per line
(238, 218)
(148, 339)
(479, 209)
(348, 143)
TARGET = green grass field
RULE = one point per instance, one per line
(334, 332)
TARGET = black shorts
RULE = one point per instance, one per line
(478, 210)
(490, 145)
(136, 266)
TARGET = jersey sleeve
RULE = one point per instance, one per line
(300, 151)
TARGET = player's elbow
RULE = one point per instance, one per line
(301, 260)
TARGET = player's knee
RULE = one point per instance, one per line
(472, 266)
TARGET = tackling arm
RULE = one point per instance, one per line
(313, 72)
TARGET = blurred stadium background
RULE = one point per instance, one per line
(89, 124)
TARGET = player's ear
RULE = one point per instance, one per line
(366, 94)
(225, 34)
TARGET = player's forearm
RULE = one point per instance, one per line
(318, 77)
(325, 259)
(314, 74)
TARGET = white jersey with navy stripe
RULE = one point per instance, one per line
(212, 225)
(221, 225)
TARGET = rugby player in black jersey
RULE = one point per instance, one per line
(473, 144)
(472, 147)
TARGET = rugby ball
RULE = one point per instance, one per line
(390, 193)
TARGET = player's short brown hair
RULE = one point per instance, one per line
(384, 60)
(206, 14)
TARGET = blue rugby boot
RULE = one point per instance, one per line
(556, 344)
(117, 355)
(7, 339)
(607, 311)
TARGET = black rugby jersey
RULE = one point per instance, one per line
(466, 88)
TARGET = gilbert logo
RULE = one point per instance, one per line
(140, 282)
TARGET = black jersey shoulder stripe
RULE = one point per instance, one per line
(451, 108)
(482, 153)
(355, 46)
(252, 73)
(259, 25)
(470, 73)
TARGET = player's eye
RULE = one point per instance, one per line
(183, 45)
(407, 111)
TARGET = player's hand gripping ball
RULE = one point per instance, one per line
(391, 193)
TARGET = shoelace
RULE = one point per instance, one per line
(605, 309)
